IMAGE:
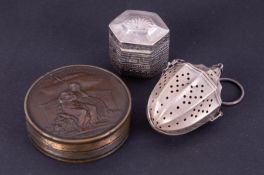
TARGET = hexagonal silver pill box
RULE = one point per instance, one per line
(138, 43)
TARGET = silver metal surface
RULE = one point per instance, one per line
(186, 97)
(138, 43)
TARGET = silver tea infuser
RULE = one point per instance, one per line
(186, 97)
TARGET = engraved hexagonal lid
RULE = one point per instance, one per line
(138, 27)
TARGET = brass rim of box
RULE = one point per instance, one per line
(72, 150)
(78, 153)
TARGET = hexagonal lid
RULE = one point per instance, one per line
(138, 27)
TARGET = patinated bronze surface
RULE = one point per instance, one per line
(74, 112)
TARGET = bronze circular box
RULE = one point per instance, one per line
(78, 113)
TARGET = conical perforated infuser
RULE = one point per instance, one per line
(186, 97)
